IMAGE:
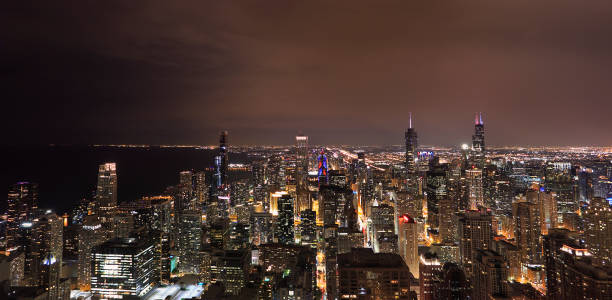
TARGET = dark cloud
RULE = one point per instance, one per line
(340, 71)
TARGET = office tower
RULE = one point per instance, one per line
(429, 275)
(571, 273)
(478, 142)
(29, 239)
(201, 189)
(308, 228)
(361, 274)
(185, 192)
(123, 268)
(124, 224)
(527, 232)
(598, 230)
(411, 148)
(547, 207)
(332, 203)
(221, 161)
(301, 153)
(189, 241)
(453, 283)
(12, 268)
(436, 191)
(474, 233)
(106, 192)
(284, 223)
(448, 222)
(382, 227)
(552, 243)
(511, 255)
(90, 236)
(22, 202)
(261, 228)
(490, 276)
(560, 182)
(330, 236)
(322, 167)
(227, 267)
(408, 243)
(475, 191)
(50, 253)
(237, 237)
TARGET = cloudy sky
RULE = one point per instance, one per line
(177, 72)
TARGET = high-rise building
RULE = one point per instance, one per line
(411, 148)
(527, 232)
(301, 153)
(261, 228)
(308, 228)
(106, 197)
(227, 267)
(547, 207)
(22, 203)
(490, 276)
(436, 191)
(123, 269)
(408, 243)
(475, 190)
(91, 235)
(364, 274)
(221, 161)
(429, 275)
(570, 271)
(598, 230)
(285, 222)
(189, 241)
(322, 167)
(51, 253)
(478, 142)
(475, 232)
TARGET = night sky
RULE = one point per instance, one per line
(177, 72)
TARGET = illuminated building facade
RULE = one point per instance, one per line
(474, 233)
(478, 142)
(598, 230)
(91, 235)
(322, 167)
(285, 223)
(123, 268)
(429, 273)
(106, 196)
(189, 241)
(490, 276)
(408, 243)
(364, 274)
(22, 202)
(412, 144)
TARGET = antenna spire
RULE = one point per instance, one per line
(480, 115)
(410, 114)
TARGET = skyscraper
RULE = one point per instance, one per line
(22, 203)
(598, 230)
(478, 141)
(430, 270)
(221, 161)
(475, 232)
(301, 153)
(408, 243)
(285, 224)
(475, 190)
(322, 167)
(123, 268)
(411, 148)
(490, 276)
(106, 196)
(91, 235)
(189, 241)
(527, 232)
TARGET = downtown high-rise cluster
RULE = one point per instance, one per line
(328, 222)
